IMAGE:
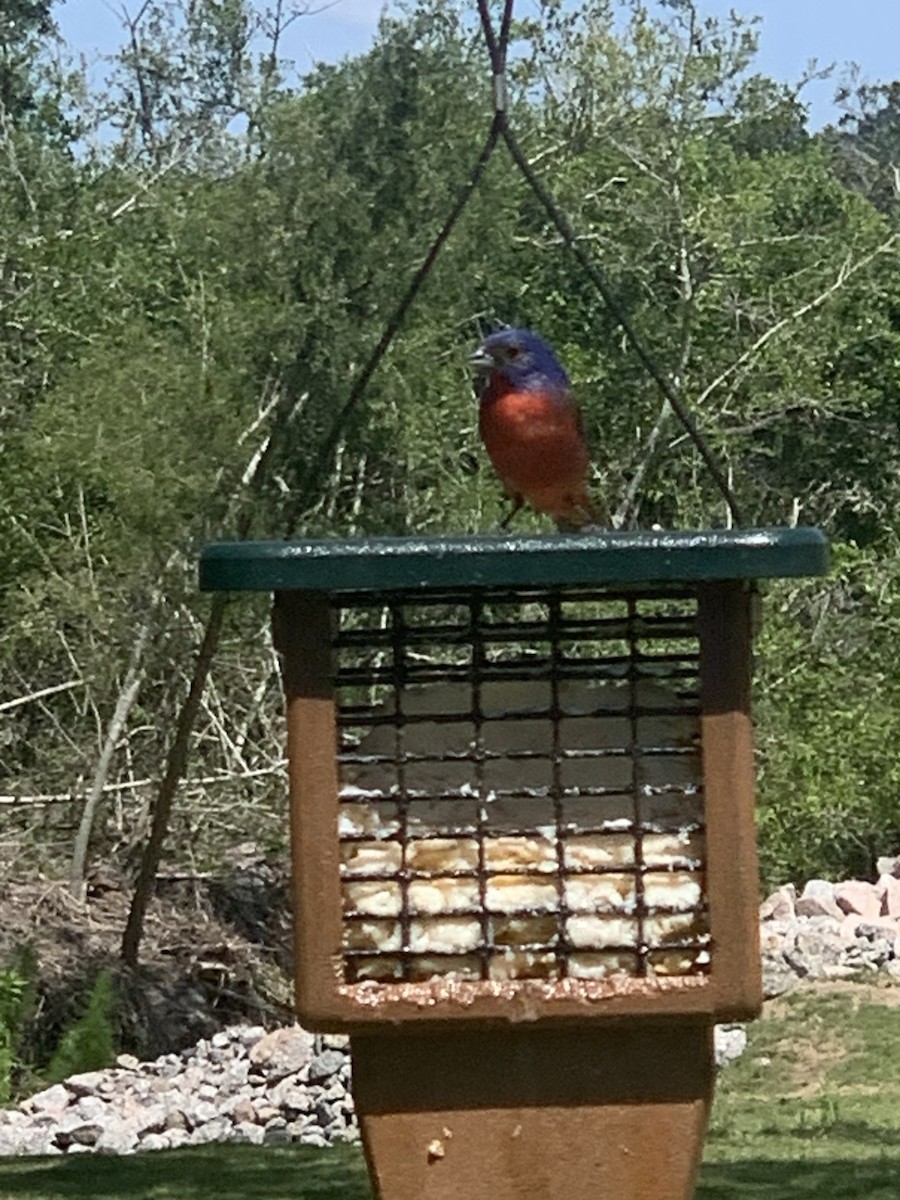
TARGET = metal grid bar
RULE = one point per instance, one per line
(636, 788)
(478, 668)
(610, 629)
(660, 687)
(397, 632)
(554, 629)
(457, 597)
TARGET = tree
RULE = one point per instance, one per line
(188, 303)
(866, 142)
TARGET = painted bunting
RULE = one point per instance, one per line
(531, 427)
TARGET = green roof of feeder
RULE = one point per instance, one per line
(504, 560)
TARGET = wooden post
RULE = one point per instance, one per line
(603, 1111)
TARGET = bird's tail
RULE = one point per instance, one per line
(583, 513)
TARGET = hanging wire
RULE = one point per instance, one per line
(497, 49)
(310, 481)
(497, 46)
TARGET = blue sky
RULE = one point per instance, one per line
(865, 32)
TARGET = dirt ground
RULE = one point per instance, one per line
(215, 951)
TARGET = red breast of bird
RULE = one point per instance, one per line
(531, 426)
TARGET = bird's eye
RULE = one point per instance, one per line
(513, 352)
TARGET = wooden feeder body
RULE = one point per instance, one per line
(524, 860)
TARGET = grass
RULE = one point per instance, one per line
(811, 1112)
(219, 1172)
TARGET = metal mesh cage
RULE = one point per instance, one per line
(521, 789)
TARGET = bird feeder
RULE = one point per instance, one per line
(524, 860)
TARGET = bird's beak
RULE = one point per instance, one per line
(481, 360)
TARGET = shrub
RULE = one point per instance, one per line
(88, 1044)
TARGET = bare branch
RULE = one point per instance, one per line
(191, 784)
(847, 270)
(47, 691)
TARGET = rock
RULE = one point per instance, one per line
(888, 866)
(814, 906)
(848, 929)
(838, 971)
(324, 1065)
(818, 900)
(856, 896)
(150, 1118)
(12, 1132)
(90, 1107)
(778, 976)
(814, 949)
(51, 1100)
(85, 1084)
(885, 927)
(874, 945)
(235, 1074)
(336, 1088)
(37, 1141)
(776, 934)
(154, 1141)
(336, 1041)
(242, 1111)
(118, 1136)
(889, 888)
(780, 905)
(292, 1098)
(821, 889)
(167, 1066)
(77, 1131)
(202, 1112)
(283, 1052)
(243, 1080)
(216, 1130)
(191, 1077)
(249, 1035)
(247, 1131)
(323, 1114)
(128, 1061)
(176, 1118)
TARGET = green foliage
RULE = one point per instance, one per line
(88, 1044)
(829, 721)
(200, 245)
(16, 1004)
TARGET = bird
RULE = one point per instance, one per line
(532, 428)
